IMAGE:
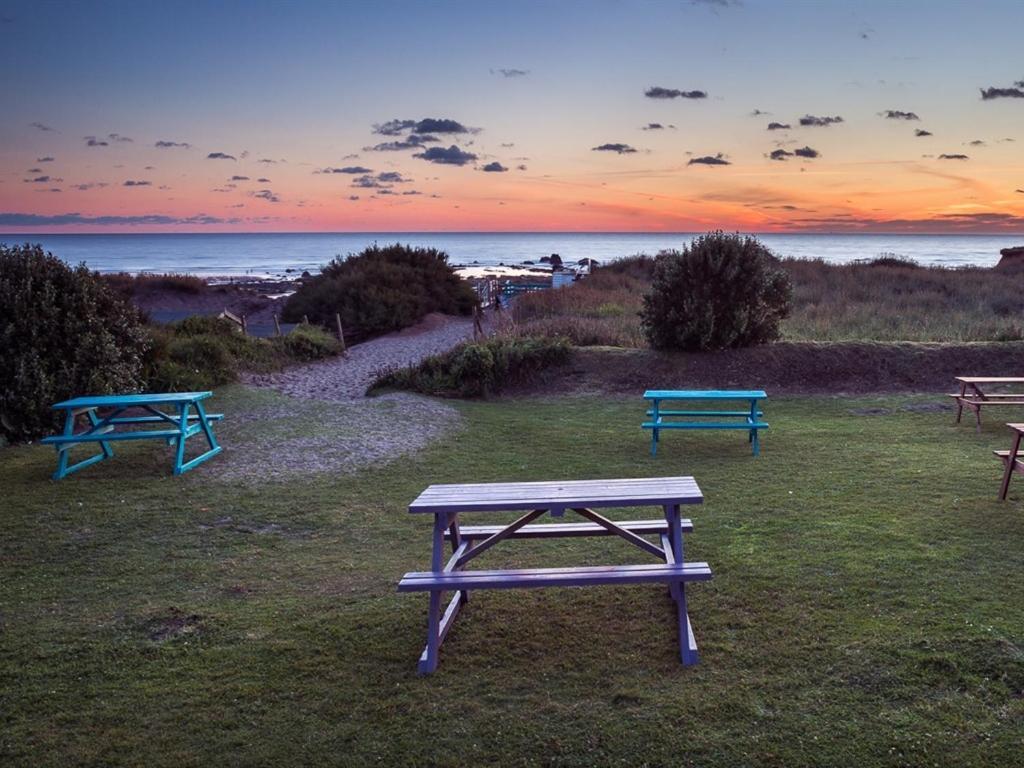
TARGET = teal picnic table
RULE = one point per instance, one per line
(177, 416)
(749, 418)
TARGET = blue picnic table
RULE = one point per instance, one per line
(749, 418)
(447, 502)
(178, 416)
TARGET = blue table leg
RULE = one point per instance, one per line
(752, 439)
(179, 452)
(204, 426)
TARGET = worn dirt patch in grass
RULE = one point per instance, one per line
(270, 437)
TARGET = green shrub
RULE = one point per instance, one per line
(206, 352)
(478, 369)
(63, 332)
(130, 285)
(721, 291)
(381, 289)
(309, 342)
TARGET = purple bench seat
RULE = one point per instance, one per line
(528, 578)
(561, 530)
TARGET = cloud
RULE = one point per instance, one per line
(220, 156)
(412, 192)
(510, 72)
(266, 194)
(718, 159)
(953, 157)
(163, 144)
(622, 149)
(64, 219)
(780, 154)
(44, 159)
(922, 132)
(413, 141)
(267, 161)
(90, 185)
(92, 141)
(133, 183)
(758, 113)
(657, 92)
(39, 180)
(779, 126)
(34, 170)
(119, 138)
(656, 127)
(392, 177)
(239, 178)
(976, 143)
(520, 167)
(494, 167)
(813, 120)
(806, 152)
(427, 125)
(41, 127)
(450, 156)
(895, 114)
(1020, 191)
(263, 181)
(1016, 92)
(352, 169)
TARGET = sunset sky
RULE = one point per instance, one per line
(488, 116)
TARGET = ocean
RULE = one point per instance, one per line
(276, 255)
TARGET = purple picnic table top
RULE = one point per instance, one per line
(557, 494)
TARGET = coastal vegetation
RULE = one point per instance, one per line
(722, 291)
(381, 289)
(66, 331)
(63, 331)
(867, 613)
(206, 352)
(884, 300)
(479, 369)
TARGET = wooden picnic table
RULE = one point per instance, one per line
(1013, 460)
(447, 502)
(976, 391)
(749, 417)
(175, 427)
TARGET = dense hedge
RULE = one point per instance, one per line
(63, 332)
(721, 291)
(478, 369)
(381, 289)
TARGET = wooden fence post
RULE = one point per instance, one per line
(277, 326)
(305, 319)
(245, 327)
(341, 333)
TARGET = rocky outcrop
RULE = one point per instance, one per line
(1011, 257)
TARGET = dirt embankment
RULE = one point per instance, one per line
(787, 367)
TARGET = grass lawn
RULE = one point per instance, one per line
(866, 608)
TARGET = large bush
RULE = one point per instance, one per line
(478, 369)
(63, 332)
(721, 291)
(381, 289)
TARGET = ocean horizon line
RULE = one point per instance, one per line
(519, 233)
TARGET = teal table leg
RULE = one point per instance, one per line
(654, 431)
(62, 450)
(207, 430)
(108, 451)
(754, 441)
(179, 452)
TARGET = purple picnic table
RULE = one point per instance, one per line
(447, 502)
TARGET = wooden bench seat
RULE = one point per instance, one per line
(561, 530)
(528, 578)
(994, 399)
(156, 419)
(104, 434)
(704, 425)
(663, 412)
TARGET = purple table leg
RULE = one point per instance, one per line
(687, 644)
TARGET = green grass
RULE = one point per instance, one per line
(866, 607)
